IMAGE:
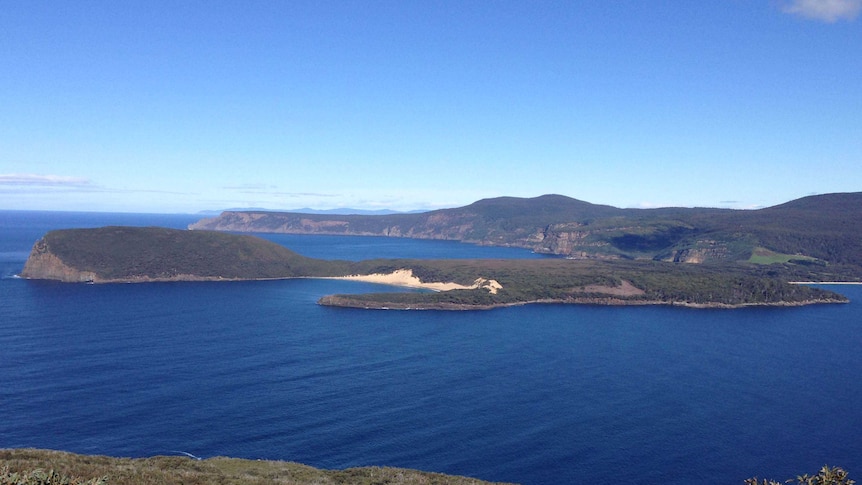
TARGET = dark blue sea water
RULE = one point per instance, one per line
(535, 394)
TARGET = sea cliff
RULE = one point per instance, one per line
(44, 264)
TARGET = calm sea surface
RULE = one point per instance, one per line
(535, 394)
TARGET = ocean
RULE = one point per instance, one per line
(538, 394)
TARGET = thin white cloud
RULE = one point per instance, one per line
(32, 180)
(825, 10)
(42, 184)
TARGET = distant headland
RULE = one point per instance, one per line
(812, 231)
(692, 257)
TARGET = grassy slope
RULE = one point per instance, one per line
(226, 471)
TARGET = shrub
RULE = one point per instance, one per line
(42, 477)
(826, 476)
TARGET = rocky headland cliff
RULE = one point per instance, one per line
(140, 254)
(44, 264)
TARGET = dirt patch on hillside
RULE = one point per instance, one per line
(626, 289)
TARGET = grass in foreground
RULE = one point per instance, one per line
(32, 467)
(43, 467)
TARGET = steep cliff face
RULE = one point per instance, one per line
(45, 265)
(572, 239)
(699, 255)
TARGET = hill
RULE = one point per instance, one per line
(824, 230)
(116, 253)
(500, 220)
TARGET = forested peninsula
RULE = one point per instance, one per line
(816, 231)
(152, 254)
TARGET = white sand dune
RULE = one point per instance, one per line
(405, 277)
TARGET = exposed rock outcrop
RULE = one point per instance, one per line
(45, 265)
(703, 251)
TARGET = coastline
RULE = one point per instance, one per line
(406, 278)
(345, 301)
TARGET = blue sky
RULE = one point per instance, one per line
(182, 106)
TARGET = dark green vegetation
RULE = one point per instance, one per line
(698, 257)
(814, 232)
(135, 254)
(38, 467)
(826, 476)
(153, 253)
(737, 257)
(589, 281)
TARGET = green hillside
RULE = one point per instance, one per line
(824, 230)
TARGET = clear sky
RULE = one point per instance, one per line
(182, 106)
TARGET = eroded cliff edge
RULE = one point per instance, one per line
(44, 264)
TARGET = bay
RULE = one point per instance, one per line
(533, 394)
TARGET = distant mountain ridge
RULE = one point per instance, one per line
(815, 230)
(338, 211)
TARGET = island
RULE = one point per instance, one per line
(118, 254)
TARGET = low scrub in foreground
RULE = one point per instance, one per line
(826, 476)
(43, 467)
(37, 467)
